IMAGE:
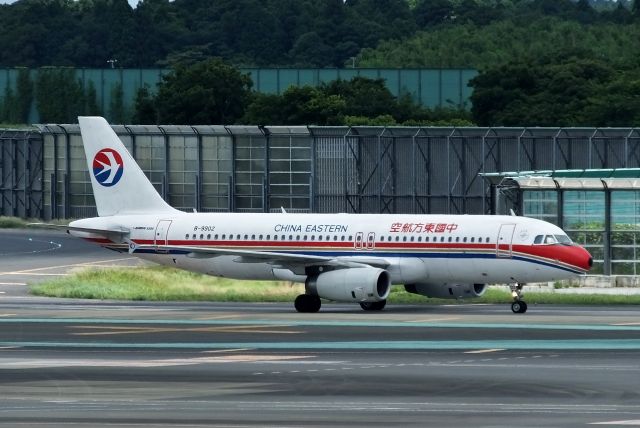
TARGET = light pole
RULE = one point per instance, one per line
(112, 62)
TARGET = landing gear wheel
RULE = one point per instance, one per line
(373, 306)
(307, 304)
(519, 307)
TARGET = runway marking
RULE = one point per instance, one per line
(626, 323)
(94, 263)
(635, 422)
(7, 315)
(115, 330)
(319, 323)
(483, 351)
(33, 274)
(13, 363)
(13, 283)
(217, 351)
(218, 317)
(434, 319)
(578, 344)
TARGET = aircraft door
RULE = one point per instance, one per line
(505, 237)
(358, 243)
(162, 232)
(371, 241)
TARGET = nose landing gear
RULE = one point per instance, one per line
(518, 306)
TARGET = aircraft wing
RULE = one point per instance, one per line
(271, 257)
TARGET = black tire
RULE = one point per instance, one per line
(373, 306)
(523, 306)
(306, 303)
(519, 307)
(516, 307)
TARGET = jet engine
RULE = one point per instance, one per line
(351, 285)
(447, 291)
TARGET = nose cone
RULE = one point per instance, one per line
(582, 259)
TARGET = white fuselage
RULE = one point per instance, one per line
(438, 249)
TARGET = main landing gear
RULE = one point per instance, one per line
(307, 303)
(373, 306)
(518, 306)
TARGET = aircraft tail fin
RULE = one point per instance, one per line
(119, 185)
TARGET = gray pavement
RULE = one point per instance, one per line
(130, 364)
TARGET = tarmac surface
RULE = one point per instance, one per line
(132, 364)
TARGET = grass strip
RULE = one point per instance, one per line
(12, 222)
(167, 284)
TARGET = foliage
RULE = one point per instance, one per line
(145, 110)
(204, 93)
(60, 97)
(91, 107)
(359, 101)
(116, 108)
(556, 91)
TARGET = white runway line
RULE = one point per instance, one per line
(483, 351)
(633, 423)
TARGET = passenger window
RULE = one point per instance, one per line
(268, 237)
(290, 237)
(224, 236)
(186, 236)
(442, 239)
(246, 237)
(473, 239)
(342, 238)
(419, 238)
(313, 237)
(194, 236)
(412, 238)
(297, 237)
(486, 240)
(209, 236)
(457, 239)
(464, 239)
(260, 237)
(450, 239)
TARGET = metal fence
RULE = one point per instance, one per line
(21, 173)
(303, 169)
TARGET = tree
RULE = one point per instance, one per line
(117, 112)
(144, 106)
(60, 98)
(209, 92)
(553, 91)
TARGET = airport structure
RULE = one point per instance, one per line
(583, 179)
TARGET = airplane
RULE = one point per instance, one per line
(339, 257)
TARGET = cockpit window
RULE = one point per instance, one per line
(564, 239)
(538, 239)
(550, 239)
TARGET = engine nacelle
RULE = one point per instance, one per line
(351, 285)
(447, 291)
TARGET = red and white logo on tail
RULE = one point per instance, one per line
(107, 167)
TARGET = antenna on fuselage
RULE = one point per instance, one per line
(512, 212)
(283, 210)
